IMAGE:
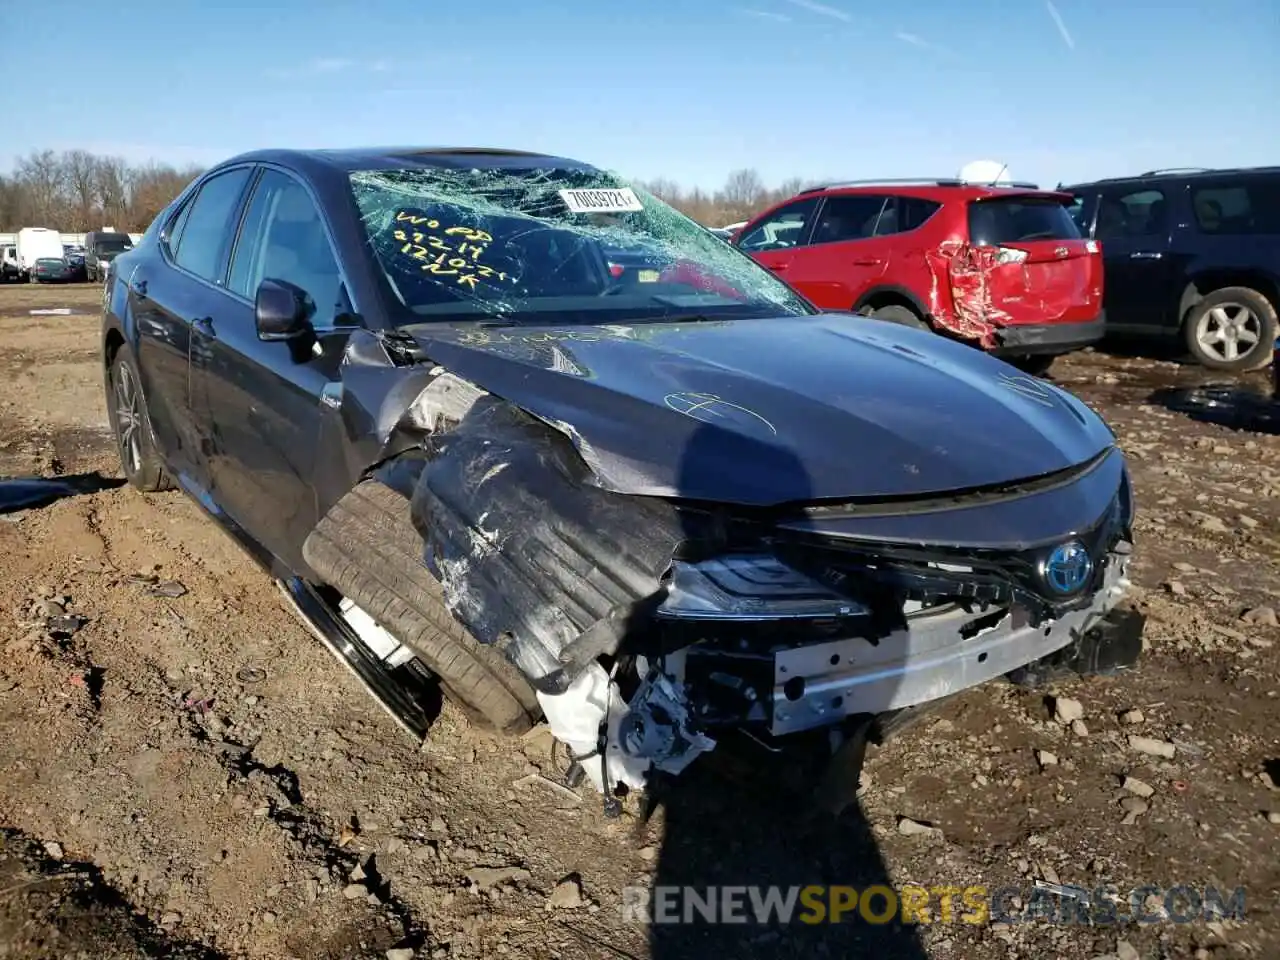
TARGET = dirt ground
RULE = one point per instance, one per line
(194, 775)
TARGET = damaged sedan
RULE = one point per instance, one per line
(658, 508)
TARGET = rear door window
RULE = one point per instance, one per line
(915, 211)
(1246, 206)
(1137, 213)
(204, 235)
(1003, 220)
(849, 218)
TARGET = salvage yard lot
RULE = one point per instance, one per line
(200, 759)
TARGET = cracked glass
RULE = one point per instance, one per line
(552, 245)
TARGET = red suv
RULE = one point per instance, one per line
(1002, 266)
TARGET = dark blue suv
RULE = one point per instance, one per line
(1192, 254)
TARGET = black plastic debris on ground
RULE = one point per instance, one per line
(24, 493)
(1225, 404)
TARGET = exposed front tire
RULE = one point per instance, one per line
(367, 548)
(904, 316)
(1232, 329)
(140, 461)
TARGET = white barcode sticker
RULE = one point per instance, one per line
(612, 200)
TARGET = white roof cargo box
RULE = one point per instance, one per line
(986, 171)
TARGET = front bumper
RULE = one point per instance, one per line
(935, 656)
(1048, 338)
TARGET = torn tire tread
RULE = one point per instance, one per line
(367, 548)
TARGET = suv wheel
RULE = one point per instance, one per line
(1232, 329)
(904, 316)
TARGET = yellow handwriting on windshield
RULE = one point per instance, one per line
(450, 251)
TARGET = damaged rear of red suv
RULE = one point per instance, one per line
(1003, 267)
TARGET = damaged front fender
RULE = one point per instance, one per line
(532, 557)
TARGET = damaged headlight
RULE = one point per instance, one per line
(750, 587)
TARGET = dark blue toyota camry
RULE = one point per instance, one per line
(507, 425)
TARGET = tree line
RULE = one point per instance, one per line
(75, 191)
(743, 195)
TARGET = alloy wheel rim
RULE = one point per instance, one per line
(1229, 331)
(128, 419)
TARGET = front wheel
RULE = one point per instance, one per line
(903, 316)
(1232, 329)
(131, 424)
(367, 548)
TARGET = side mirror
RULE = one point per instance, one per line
(281, 311)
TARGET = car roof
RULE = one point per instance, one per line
(1172, 173)
(930, 189)
(390, 158)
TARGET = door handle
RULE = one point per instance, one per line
(867, 262)
(1145, 255)
(777, 268)
(204, 326)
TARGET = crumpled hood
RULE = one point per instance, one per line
(766, 411)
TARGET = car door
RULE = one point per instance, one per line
(258, 402)
(166, 294)
(776, 238)
(1134, 225)
(845, 256)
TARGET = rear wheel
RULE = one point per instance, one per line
(1232, 329)
(131, 423)
(367, 549)
(904, 316)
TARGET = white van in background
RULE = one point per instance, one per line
(37, 243)
(9, 269)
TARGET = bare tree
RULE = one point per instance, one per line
(12, 201)
(664, 189)
(40, 178)
(80, 174)
(112, 187)
(78, 190)
(743, 193)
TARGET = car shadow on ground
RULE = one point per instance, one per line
(25, 493)
(744, 817)
(1237, 406)
(1167, 349)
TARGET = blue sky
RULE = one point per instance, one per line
(690, 91)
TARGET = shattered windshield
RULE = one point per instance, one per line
(520, 244)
